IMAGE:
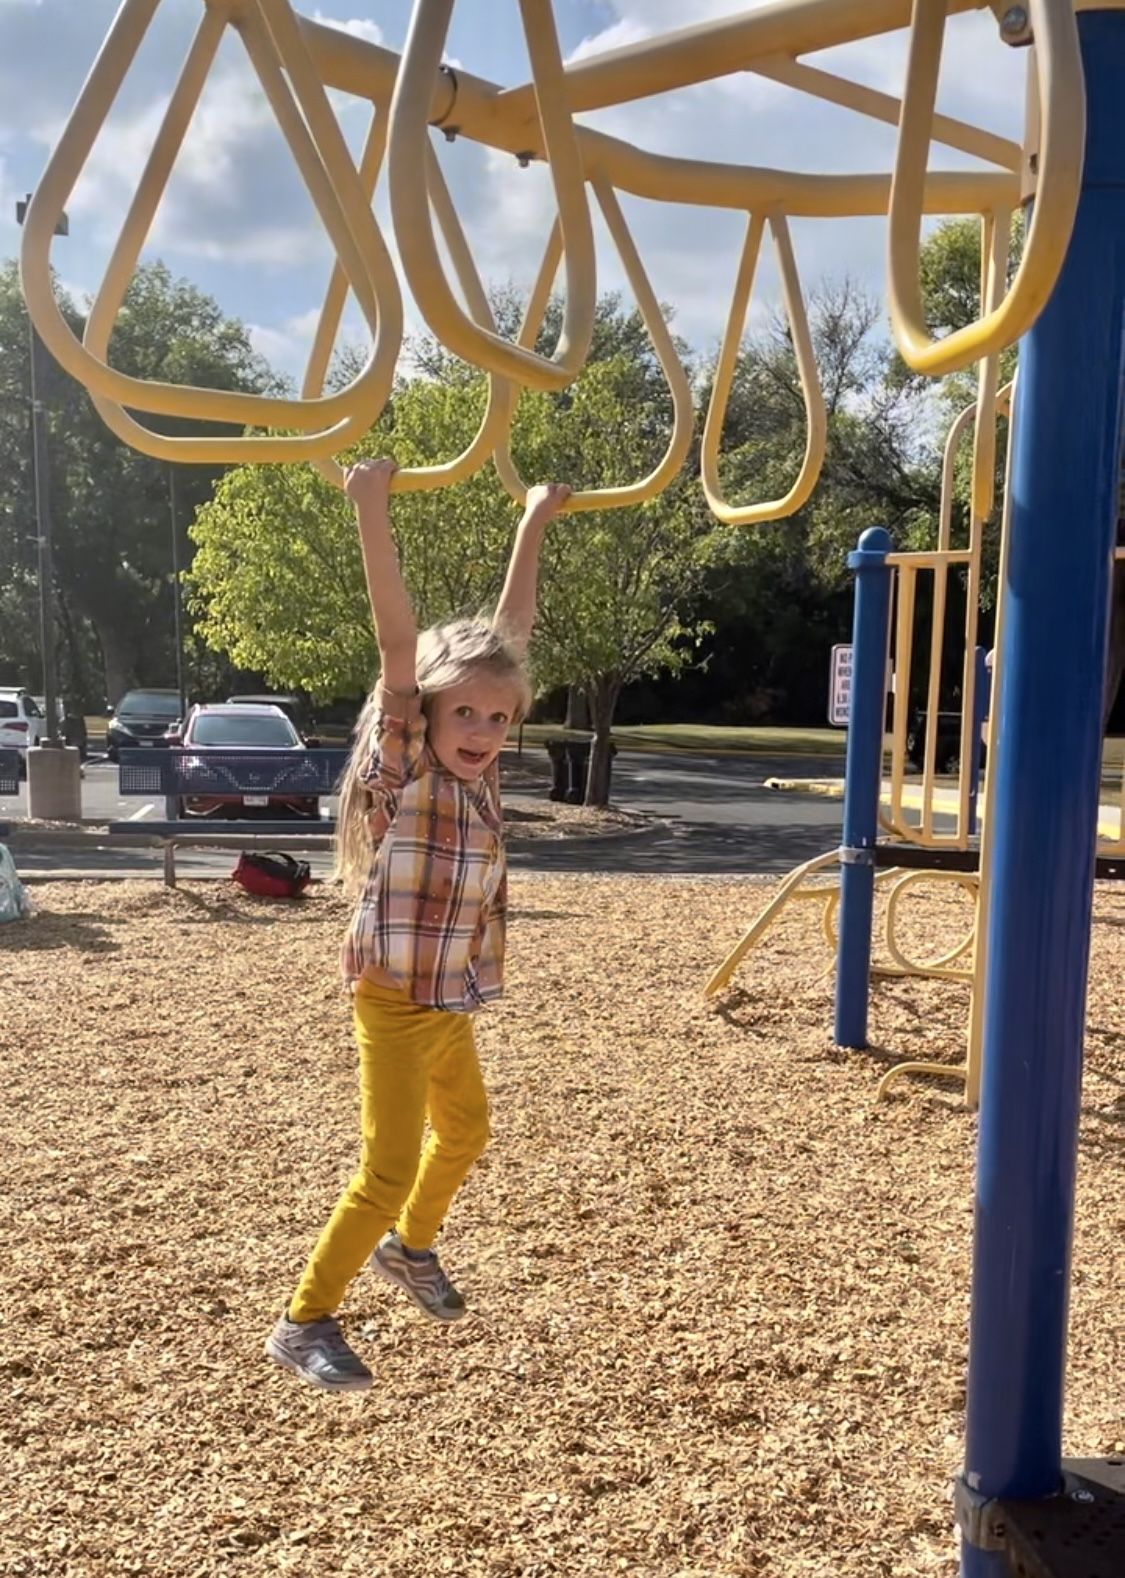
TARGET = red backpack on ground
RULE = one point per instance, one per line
(273, 875)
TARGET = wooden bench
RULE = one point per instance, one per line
(176, 775)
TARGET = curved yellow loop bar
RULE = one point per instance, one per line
(723, 974)
(953, 441)
(679, 386)
(961, 423)
(350, 411)
(1063, 108)
(409, 139)
(498, 411)
(816, 415)
(943, 966)
(996, 232)
(336, 295)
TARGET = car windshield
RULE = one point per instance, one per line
(9, 709)
(246, 729)
(151, 701)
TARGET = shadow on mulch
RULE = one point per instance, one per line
(515, 813)
(43, 932)
(545, 915)
(210, 910)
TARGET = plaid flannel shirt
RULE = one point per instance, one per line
(431, 917)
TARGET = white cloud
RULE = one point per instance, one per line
(982, 79)
(627, 30)
(358, 27)
(286, 345)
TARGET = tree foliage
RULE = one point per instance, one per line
(110, 505)
(277, 579)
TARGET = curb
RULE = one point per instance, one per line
(827, 788)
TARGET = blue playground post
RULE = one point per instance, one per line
(864, 770)
(1048, 740)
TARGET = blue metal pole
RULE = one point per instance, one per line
(1048, 739)
(864, 774)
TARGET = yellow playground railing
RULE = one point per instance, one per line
(913, 814)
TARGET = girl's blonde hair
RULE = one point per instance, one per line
(447, 655)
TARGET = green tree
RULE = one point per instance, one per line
(618, 585)
(110, 504)
(780, 594)
(277, 580)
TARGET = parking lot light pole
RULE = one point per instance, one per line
(177, 592)
(43, 509)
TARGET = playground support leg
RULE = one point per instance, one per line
(864, 774)
(1048, 739)
(981, 704)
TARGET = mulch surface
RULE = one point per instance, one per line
(718, 1293)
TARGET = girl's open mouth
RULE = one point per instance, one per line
(471, 758)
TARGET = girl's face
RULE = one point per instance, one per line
(469, 723)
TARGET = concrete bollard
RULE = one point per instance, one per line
(54, 783)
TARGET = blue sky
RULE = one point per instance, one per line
(237, 221)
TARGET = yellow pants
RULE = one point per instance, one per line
(414, 1063)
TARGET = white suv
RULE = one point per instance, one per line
(21, 719)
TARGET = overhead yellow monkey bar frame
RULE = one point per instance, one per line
(326, 168)
(366, 260)
(1062, 111)
(497, 413)
(679, 441)
(297, 60)
(407, 150)
(816, 415)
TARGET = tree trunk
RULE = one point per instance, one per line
(74, 678)
(603, 696)
(119, 659)
(577, 708)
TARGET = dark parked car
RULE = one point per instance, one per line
(294, 708)
(141, 717)
(947, 756)
(243, 728)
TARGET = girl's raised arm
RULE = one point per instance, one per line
(515, 612)
(368, 486)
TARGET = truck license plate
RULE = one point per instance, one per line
(255, 799)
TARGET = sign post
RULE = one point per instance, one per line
(840, 686)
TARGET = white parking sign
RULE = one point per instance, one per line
(840, 687)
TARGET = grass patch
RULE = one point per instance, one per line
(706, 738)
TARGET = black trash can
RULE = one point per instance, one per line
(570, 763)
(578, 761)
(560, 769)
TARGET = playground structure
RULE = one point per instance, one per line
(911, 832)
(1037, 863)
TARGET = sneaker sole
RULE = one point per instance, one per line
(388, 1275)
(279, 1356)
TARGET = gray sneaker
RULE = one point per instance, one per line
(316, 1351)
(424, 1280)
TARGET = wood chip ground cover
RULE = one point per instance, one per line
(718, 1293)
